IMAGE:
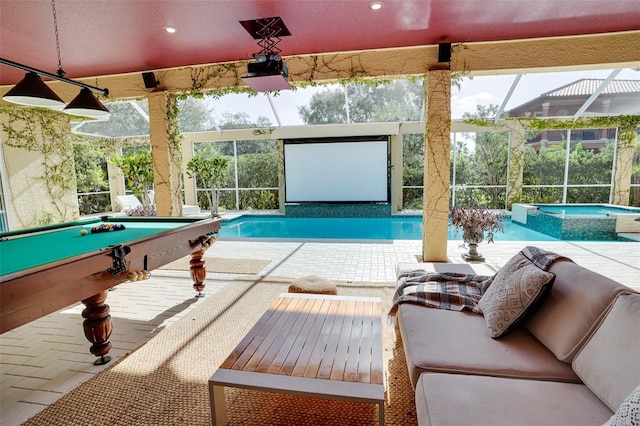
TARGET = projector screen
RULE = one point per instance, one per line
(336, 172)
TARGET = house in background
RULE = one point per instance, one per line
(619, 97)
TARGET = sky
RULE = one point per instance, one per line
(484, 90)
(492, 89)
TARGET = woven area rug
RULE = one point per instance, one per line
(165, 382)
(222, 265)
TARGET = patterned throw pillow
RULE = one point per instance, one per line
(514, 294)
(629, 412)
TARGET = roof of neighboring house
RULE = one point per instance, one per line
(587, 86)
(583, 89)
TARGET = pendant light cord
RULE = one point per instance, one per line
(60, 75)
(60, 71)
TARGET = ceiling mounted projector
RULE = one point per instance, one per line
(269, 72)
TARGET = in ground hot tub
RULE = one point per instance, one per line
(583, 222)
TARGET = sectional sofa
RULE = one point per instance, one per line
(575, 360)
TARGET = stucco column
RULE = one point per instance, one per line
(437, 178)
(166, 158)
(516, 162)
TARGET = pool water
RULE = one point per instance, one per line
(394, 228)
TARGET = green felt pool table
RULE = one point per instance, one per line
(45, 269)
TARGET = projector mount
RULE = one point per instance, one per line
(268, 32)
(269, 72)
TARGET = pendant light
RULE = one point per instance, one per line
(86, 105)
(32, 91)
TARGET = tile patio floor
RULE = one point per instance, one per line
(43, 360)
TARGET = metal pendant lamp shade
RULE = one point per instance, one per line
(32, 91)
(86, 105)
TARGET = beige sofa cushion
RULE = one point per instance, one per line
(609, 363)
(455, 400)
(440, 340)
(577, 300)
(516, 291)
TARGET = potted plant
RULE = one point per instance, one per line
(476, 224)
(210, 173)
(137, 169)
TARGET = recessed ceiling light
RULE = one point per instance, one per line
(376, 5)
(170, 29)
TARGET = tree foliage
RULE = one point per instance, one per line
(137, 168)
(91, 167)
(209, 173)
(125, 120)
(325, 107)
(242, 120)
(193, 116)
(257, 173)
(91, 176)
(412, 170)
(399, 100)
(482, 160)
(586, 167)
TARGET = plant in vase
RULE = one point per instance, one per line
(476, 224)
(137, 169)
(210, 173)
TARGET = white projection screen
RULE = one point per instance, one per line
(339, 171)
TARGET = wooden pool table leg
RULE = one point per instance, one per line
(97, 326)
(198, 271)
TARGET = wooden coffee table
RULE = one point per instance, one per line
(310, 345)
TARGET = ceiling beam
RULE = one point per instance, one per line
(600, 51)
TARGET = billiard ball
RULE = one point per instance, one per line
(83, 232)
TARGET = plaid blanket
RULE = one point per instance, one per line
(453, 291)
(456, 291)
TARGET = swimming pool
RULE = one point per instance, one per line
(393, 228)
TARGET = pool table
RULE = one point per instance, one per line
(45, 269)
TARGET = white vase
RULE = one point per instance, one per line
(472, 237)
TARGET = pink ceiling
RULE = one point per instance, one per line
(99, 37)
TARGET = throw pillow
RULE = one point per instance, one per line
(628, 413)
(514, 294)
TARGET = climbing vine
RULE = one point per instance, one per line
(626, 124)
(174, 135)
(340, 66)
(516, 156)
(46, 133)
(457, 76)
(212, 76)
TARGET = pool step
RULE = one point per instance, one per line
(634, 236)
